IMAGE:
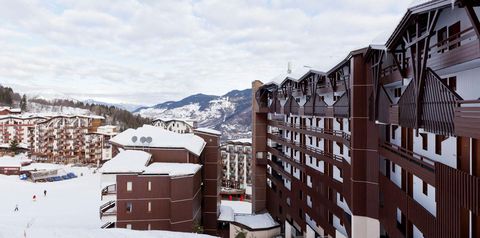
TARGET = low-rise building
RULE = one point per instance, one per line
(162, 180)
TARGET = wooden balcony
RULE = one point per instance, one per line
(390, 74)
(467, 119)
(414, 163)
(457, 49)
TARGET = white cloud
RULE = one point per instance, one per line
(152, 51)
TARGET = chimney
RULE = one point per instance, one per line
(289, 68)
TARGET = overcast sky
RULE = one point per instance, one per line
(146, 52)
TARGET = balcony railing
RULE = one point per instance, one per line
(456, 49)
(338, 133)
(467, 119)
(108, 209)
(411, 156)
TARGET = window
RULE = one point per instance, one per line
(149, 186)
(300, 213)
(394, 128)
(393, 167)
(341, 124)
(300, 195)
(451, 83)
(425, 188)
(128, 226)
(129, 207)
(335, 98)
(149, 206)
(438, 144)
(397, 92)
(441, 39)
(454, 36)
(341, 148)
(341, 198)
(129, 186)
(424, 141)
(149, 226)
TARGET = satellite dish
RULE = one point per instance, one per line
(134, 139)
(143, 139)
(149, 140)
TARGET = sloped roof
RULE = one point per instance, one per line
(160, 138)
(127, 161)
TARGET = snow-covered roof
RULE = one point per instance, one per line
(415, 3)
(294, 75)
(226, 214)
(209, 131)
(243, 140)
(17, 161)
(257, 221)
(239, 207)
(127, 161)
(41, 166)
(160, 138)
(172, 169)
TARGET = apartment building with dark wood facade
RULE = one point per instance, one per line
(169, 193)
(386, 143)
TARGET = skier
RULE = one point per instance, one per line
(34, 197)
(44, 193)
(16, 208)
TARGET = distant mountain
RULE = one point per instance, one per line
(125, 106)
(230, 113)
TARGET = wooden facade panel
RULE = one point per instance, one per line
(467, 119)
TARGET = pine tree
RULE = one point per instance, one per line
(14, 146)
(23, 103)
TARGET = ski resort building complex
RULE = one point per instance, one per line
(384, 144)
(162, 180)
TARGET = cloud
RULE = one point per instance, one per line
(152, 51)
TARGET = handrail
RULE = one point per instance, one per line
(468, 101)
(411, 156)
(309, 148)
(454, 37)
(338, 133)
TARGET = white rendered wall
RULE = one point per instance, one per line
(343, 204)
(428, 202)
(340, 228)
(467, 83)
(336, 174)
(396, 177)
(417, 233)
(449, 149)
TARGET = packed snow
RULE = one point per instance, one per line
(69, 210)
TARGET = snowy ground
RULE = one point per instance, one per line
(70, 209)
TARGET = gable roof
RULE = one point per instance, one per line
(160, 138)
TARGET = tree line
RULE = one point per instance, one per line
(113, 115)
